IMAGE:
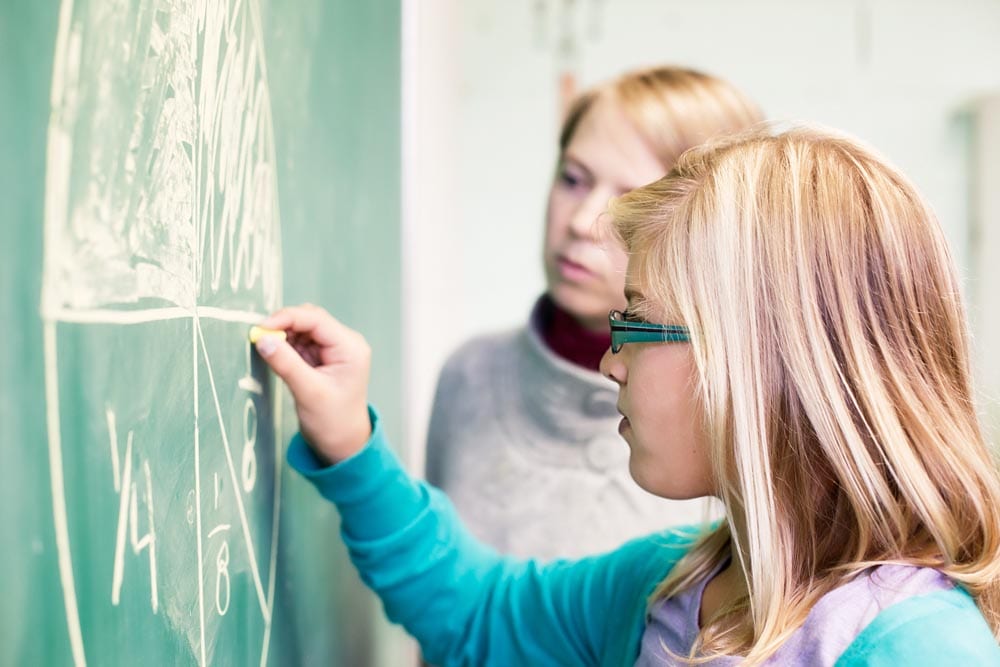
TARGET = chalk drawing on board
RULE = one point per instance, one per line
(161, 207)
(244, 523)
(128, 514)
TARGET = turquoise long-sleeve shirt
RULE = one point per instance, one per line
(467, 605)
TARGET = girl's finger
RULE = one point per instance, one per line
(286, 363)
(310, 320)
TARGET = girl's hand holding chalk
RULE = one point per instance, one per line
(325, 365)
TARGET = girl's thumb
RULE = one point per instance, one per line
(285, 362)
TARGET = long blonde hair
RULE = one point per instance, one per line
(672, 108)
(833, 363)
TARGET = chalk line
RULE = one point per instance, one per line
(113, 439)
(226, 315)
(197, 496)
(59, 495)
(123, 496)
(221, 528)
(142, 316)
(276, 397)
(236, 486)
(257, 24)
(151, 537)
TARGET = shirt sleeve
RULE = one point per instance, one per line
(940, 628)
(464, 603)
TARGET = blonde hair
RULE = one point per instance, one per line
(833, 363)
(672, 109)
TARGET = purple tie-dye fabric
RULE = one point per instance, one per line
(831, 626)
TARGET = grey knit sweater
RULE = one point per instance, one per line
(527, 447)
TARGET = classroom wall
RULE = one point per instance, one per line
(902, 75)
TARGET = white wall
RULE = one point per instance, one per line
(431, 222)
(984, 283)
(897, 73)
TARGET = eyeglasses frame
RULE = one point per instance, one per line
(624, 331)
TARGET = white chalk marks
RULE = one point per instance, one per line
(161, 184)
(162, 234)
(128, 512)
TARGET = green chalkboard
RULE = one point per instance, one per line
(171, 171)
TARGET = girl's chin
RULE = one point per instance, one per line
(642, 480)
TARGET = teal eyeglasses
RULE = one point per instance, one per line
(625, 331)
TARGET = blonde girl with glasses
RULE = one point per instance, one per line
(523, 418)
(794, 345)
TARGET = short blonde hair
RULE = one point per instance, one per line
(833, 363)
(672, 109)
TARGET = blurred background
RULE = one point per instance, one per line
(487, 82)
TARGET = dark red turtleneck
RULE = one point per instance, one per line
(571, 340)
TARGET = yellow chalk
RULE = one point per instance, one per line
(256, 333)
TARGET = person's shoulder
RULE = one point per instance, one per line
(939, 628)
(677, 539)
(487, 343)
(652, 556)
(615, 587)
(630, 572)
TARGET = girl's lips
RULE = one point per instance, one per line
(573, 271)
(623, 425)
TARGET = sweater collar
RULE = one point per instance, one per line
(567, 338)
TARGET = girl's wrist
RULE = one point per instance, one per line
(350, 440)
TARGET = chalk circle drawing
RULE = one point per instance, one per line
(161, 206)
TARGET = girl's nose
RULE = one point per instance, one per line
(613, 367)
